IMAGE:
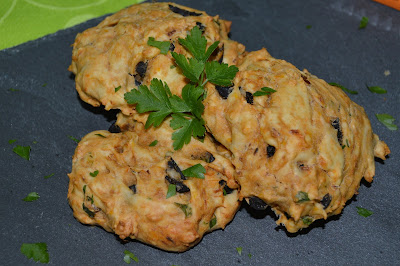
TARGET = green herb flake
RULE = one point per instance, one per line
(117, 88)
(90, 199)
(307, 220)
(264, 91)
(224, 191)
(36, 251)
(387, 120)
(376, 89)
(172, 67)
(44, 85)
(89, 212)
(84, 189)
(239, 250)
(213, 221)
(94, 174)
(128, 256)
(187, 210)
(12, 89)
(48, 176)
(102, 136)
(364, 212)
(250, 255)
(171, 190)
(74, 139)
(363, 22)
(347, 143)
(308, 27)
(343, 88)
(343, 146)
(154, 143)
(31, 197)
(11, 141)
(196, 170)
(34, 142)
(163, 46)
(302, 197)
(23, 151)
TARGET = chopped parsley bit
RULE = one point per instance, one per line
(239, 250)
(308, 27)
(128, 256)
(11, 141)
(34, 142)
(117, 88)
(224, 191)
(44, 85)
(89, 212)
(22, 151)
(364, 212)
(387, 120)
(171, 190)
(90, 199)
(31, 197)
(84, 189)
(307, 220)
(196, 170)
(172, 67)
(11, 89)
(187, 210)
(213, 222)
(343, 88)
(347, 143)
(94, 174)
(264, 91)
(48, 176)
(376, 89)
(302, 197)
(163, 46)
(250, 255)
(74, 139)
(100, 135)
(343, 146)
(363, 22)
(35, 251)
(154, 143)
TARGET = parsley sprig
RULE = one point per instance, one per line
(186, 111)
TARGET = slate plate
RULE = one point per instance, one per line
(45, 109)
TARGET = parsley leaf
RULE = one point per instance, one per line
(12, 89)
(343, 88)
(128, 256)
(48, 176)
(364, 212)
(100, 135)
(196, 44)
(11, 141)
(117, 88)
(23, 151)
(363, 23)
(213, 222)
(264, 91)
(376, 89)
(187, 127)
(94, 174)
(302, 197)
(307, 220)
(74, 139)
(239, 250)
(86, 209)
(250, 255)
(31, 197)
(36, 251)
(196, 170)
(171, 190)
(192, 69)
(163, 46)
(187, 210)
(154, 143)
(387, 120)
(308, 27)
(220, 73)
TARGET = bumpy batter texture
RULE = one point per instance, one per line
(303, 149)
(120, 182)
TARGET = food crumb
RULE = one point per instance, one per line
(386, 73)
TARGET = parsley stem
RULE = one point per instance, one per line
(204, 83)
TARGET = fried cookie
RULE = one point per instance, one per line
(302, 149)
(129, 186)
(112, 58)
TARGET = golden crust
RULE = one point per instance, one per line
(307, 137)
(128, 195)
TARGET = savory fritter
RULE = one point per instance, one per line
(116, 53)
(121, 182)
(302, 149)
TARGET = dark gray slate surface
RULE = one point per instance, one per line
(333, 49)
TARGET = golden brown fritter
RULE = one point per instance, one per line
(303, 149)
(120, 182)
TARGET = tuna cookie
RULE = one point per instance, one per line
(134, 184)
(299, 145)
(133, 46)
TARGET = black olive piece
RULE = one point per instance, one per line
(336, 125)
(172, 164)
(326, 200)
(183, 12)
(257, 203)
(141, 68)
(137, 83)
(270, 151)
(224, 91)
(287, 215)
(114, 128)
(249, 97)
(305, 79)
(201, 26)
(171, 47)
(210, 158)
(230, 35)
(227, 189)
(207, 157)
(180, 187)
(133, 188)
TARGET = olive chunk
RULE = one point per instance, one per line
(183, 12)
(114, 128)
(224, 91)
(257, 203)
(326, 200)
